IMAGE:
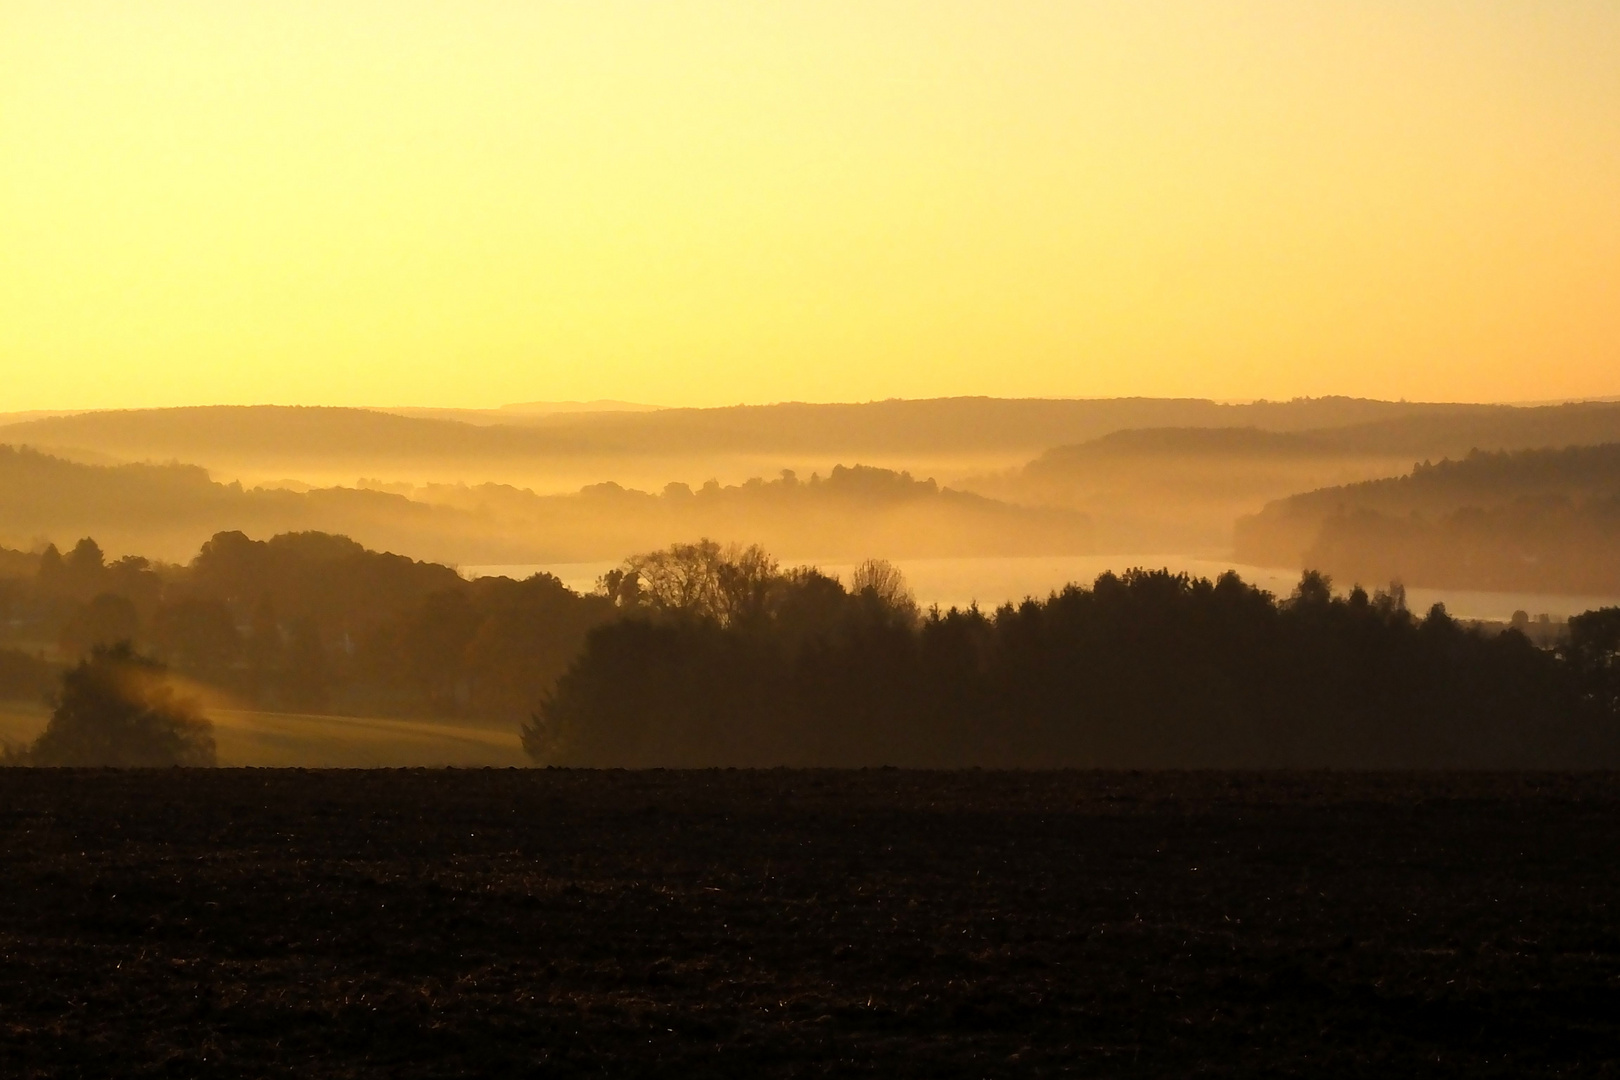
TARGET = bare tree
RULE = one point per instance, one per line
(703, 579)
(883, 581)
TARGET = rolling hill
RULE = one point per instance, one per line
(952, 426)
(166, 511)
(1532, 520)
(1181, 487)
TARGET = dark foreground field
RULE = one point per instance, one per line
(741, 924)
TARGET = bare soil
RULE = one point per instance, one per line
(756, 924)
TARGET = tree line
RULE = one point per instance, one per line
(701, 655)
(725, 659)
(305, 622)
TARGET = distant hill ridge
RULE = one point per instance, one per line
(167, 510)
(1149, 474)
(936, 425)
(1481, 478)
(1431, 434)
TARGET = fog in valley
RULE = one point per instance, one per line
(950, 477)
(419, 586)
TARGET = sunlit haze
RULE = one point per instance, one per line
(706, 203)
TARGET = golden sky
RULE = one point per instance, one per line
(470, 203)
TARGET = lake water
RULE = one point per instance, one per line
(990, 582)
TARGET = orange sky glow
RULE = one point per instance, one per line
(482, 202)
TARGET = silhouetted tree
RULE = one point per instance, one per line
(305, 676)
(1593, 651)
(883, 581)
(106, 619)
(700, 580)
(24, 676)
(118, 709)
(530, 631)
(263, 651)
(86, 560)
(198, 637)
(52, 570)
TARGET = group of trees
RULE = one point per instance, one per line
(702, 655)
(1148, 669)
(303, 622)
(117, 708)
(745, 587)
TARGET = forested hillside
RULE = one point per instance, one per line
(166, 511)
(1535, 520)
(1129, 474)
(1180, 488)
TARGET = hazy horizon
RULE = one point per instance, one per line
(517, 412)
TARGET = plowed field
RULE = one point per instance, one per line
(880, 923)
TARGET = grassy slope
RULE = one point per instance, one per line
(270, 739)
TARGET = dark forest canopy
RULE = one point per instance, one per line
(1151, 669)
(1534, 520)
(704, 654)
